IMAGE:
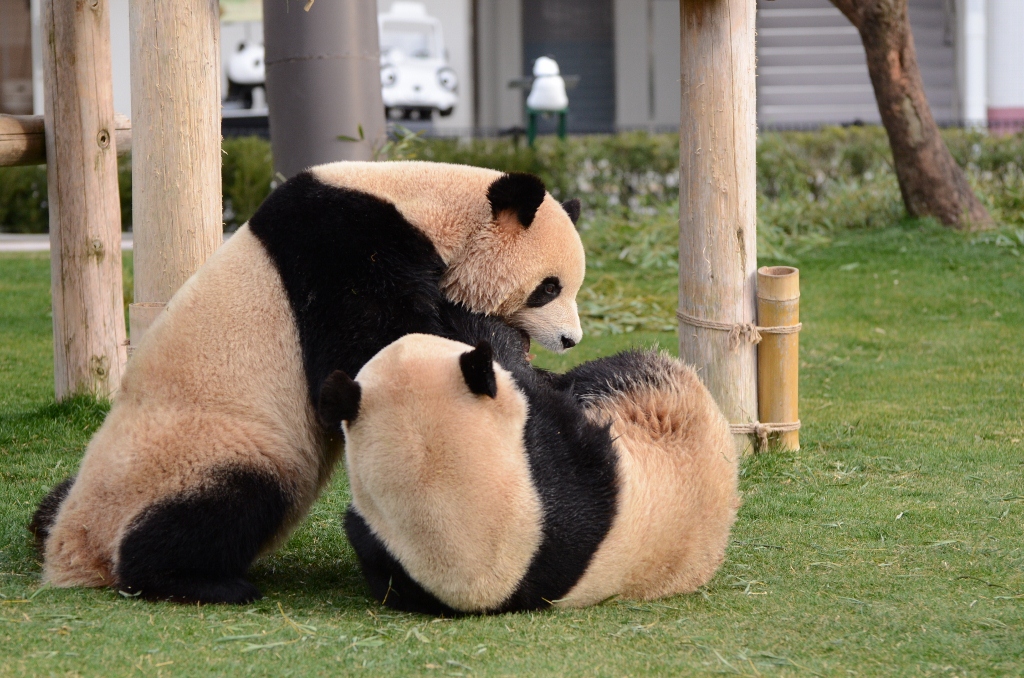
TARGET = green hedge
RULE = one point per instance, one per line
(810, 184)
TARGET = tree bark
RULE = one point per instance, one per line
(931, 182)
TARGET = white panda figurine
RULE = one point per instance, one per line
(483, 487)
(212, 451)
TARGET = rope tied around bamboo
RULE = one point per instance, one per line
(763, 430)
(778, 306)
(739, 333)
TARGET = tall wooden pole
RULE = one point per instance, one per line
(717, 200)
(85, 213)
(176, 163)
(323, 81)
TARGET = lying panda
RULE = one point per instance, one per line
(212, 451)
(482, 488)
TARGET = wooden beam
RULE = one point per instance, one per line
(85, 213)
(23, 139)
(176, 164)
(717, 199)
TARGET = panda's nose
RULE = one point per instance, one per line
(567, 342)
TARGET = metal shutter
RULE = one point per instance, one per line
(811, 66)
(578, 34)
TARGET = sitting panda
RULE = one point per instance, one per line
(486, 487)
(212, 451)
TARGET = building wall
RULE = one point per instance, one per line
(499, 39)
(15, 57)
(579, 35)
(120, 57)
(646, 64)
(1005, 76)
(812, 69)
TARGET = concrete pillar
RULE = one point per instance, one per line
(323, 81)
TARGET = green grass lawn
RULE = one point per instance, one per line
(891, 544)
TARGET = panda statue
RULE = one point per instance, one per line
(482, 486)
(212, 451)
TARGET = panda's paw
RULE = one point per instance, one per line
(236, 591)
(230, 591)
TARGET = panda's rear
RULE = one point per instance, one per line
(630, 459)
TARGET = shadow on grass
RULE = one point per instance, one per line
(338, 581)
(82, 412)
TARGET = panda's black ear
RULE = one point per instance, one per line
(478, 370)
(572, 208)
(339, 400)
(519, 192)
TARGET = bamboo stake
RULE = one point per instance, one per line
(778, 355)
(717, 216)
(176, 163)
(85, 213)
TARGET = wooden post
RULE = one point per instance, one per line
(85, 213)
(778, 355)
(23, 139)
(176, 181)
(717, 201)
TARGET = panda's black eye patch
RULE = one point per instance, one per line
(548, 290)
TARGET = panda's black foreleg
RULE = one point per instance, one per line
(389, 583)
(198, 546)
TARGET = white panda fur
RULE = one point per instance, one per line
(444, 516)
(212, 451)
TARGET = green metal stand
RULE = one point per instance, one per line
(531, 123)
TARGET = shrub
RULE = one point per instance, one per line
(810, 184)
(246, 173)
(23, 199)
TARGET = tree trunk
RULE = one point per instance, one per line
(931, 182)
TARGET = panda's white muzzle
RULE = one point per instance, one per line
(555, 326)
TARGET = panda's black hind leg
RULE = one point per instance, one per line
(46, 514)
(198, 546)
(389, 583)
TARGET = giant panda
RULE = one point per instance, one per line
(482, 486)
(212, 451)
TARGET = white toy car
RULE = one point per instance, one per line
(415, 77)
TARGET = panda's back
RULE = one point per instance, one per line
(678, 477)
(356, 273)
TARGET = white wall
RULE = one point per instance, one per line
(971, 60)
(500, 41)
(1006, 56)
(646, 63)
(120, 57)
